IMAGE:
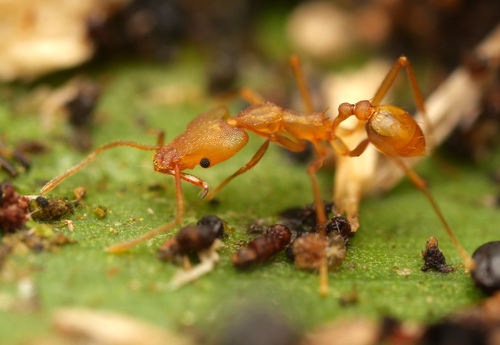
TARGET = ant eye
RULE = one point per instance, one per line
(205, 162)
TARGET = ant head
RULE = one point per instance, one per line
(163, 161)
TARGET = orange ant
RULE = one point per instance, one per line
(214, 137)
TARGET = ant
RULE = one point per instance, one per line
(214, 137)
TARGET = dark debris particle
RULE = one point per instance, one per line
(156, 187)
(214, 202)
(170, 251)
(192, 238)
(252, 327)
(434, 258)
(7, 166)
(450, 333)
(195, 238)
(81, 112)
(13, 209)
(42, 202)
(260, 249)
(340, 225)
(300, 220)
(213, 222)
(486, 273)
(47, 209)
(257, 227)
(149, 28)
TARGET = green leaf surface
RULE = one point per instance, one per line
(393, 232)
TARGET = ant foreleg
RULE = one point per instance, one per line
(124, 246)
(55, 181)
(422, 186)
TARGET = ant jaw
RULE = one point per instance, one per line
(205, 190)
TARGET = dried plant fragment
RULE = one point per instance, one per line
(87, 326)
(355, 331)
(208, 259)
(38, 37)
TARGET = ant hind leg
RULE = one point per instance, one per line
(401, 62)
(422, 186)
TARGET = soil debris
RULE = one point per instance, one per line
(260, 249)
(308, 252)
(434, 258)
(47, 209)
(203, 240)
(100, 211)
(13, 209)
(302, 219)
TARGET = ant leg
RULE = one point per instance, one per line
(7, 166)
(194, 180)
(255, 159)
(422, 186)
(401, 62)
(124, 246)
(313, 167)
(251, 96)
(288, 142)
(160, 136)
(298, 74)
(340, 147)
(321, 216)
(55, 181)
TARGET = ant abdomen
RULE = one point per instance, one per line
(394, 132)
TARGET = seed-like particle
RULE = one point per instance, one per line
(486, 273)
(259, 250)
